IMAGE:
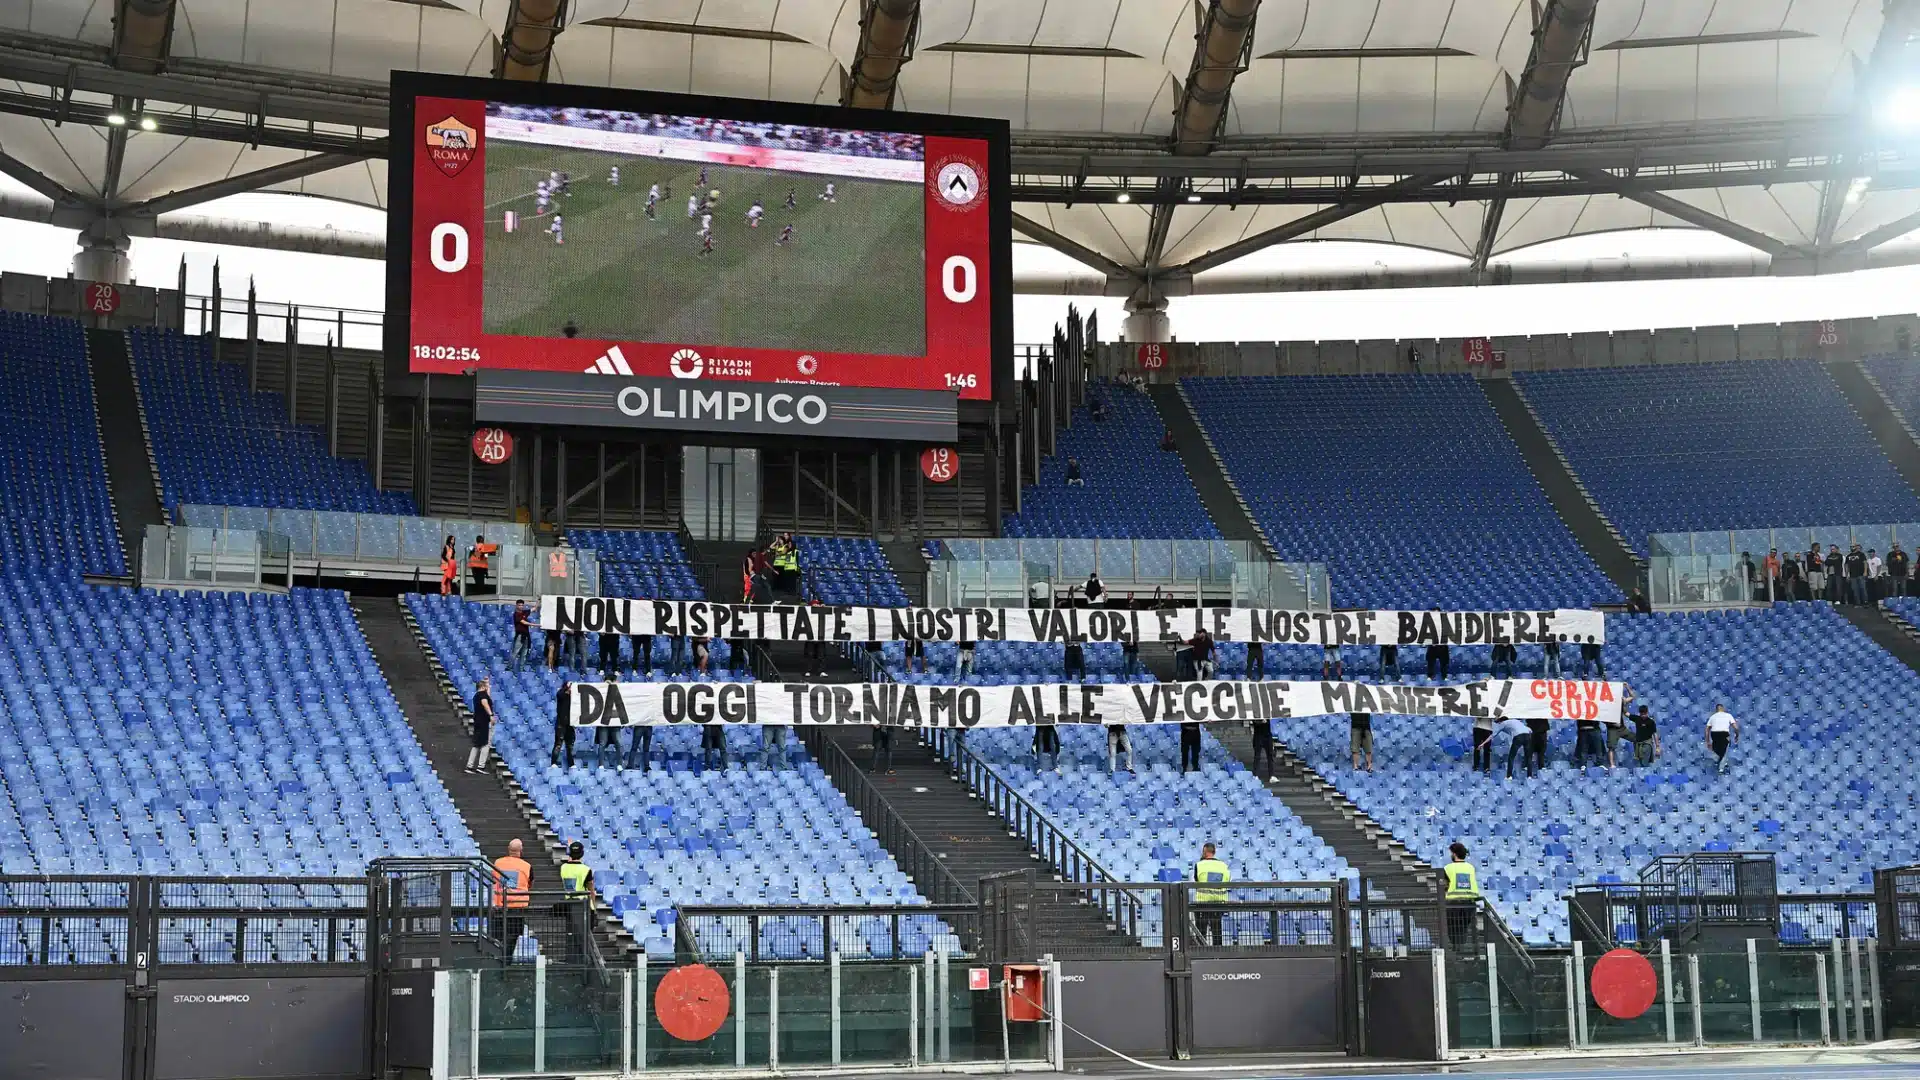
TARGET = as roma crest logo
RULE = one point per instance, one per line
(451, 144)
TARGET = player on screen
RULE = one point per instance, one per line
(613, 176)
(706, 224)
(650, 214)
(703, 176)
(789, 198)
(827, 196)
(693, 207)
(555, 229)
(566, 185)
(786, 236)
(754, 214)
(540, 198)
(653, 193)
(706, 243)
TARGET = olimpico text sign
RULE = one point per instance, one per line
(685, 404)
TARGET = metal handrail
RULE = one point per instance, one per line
(1033, 825)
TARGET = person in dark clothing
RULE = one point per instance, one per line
(1129, 656)
(1202, 643)
(1095, 590)
(609, 654)
(562, 725)
(882, 749)
(1046, 748)
(1550, 659)
(1836, 574)
(1899, 565)
(640, 751)
(1816, 570)
(576, 651)
(1857, 575)
(1504, 655)
(1589, 745)
(522, 636)
(713, 739)
(916, 655)
(1439, 659)
(1646, 738)
(551, 648)
(608, 738)
(1637, 604)
(1189, 747)
(643, 655)
(1590, 659)
(737, 655)
(1076, 662)
(1599, 656)
(1789, 587)
(1074, 479)
(1389, 661)
(1483, 744)
(1262, 747)
(1360, 739)
(1536, 756)
(482, 725)
(1256, 661)
(1167, 443)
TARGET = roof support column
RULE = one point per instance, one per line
(887, 32)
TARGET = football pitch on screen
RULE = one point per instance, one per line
(851, 279)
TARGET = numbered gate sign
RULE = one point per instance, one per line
(940, 463)
(1476, 350)
(493, 445)
(1152, 356)
(103, 298)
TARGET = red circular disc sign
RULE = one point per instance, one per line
(492, 445)
(939, 463)
(691, 1002)
(102, 298)
(1623, 984)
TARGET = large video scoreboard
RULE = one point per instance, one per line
(595, 232)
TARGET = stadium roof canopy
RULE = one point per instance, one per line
(1155, 140)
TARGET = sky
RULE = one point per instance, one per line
(315, 281)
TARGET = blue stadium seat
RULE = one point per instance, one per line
(1406, 486)
(1751, 444)
(205, 733)
(848, 570)
(1133, 488)
(53, 477)
(640, 565)
(217, 443)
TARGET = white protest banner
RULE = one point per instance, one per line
(905, 705)
(823, 622)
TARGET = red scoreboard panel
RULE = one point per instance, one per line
(627, 233)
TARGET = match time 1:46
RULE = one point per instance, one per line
(445, 352)
(962, 382)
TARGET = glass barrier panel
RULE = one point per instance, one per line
(379, 537)
(992, 550)
(969, 550)
(1876, 537)
(1726, 998)
(875, 1001)
(1604, 1029)
(1191, 559)
(249, 517)
(1469, 1004)
(335, 534)
(1153, 560)
(211, 517)
(1789, 996)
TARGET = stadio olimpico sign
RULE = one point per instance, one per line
(809, 410)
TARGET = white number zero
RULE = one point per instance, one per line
(437, 244)
(961, 267)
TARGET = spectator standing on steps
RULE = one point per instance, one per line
(1550, 659)
(713, 739)
(1202, 654)
(1074, 479)
(1256, 661)
(609, 655)
(1189, 747)
(522, 636)
(1856, 575)
(1262, 748)
(607, 738)
(482, 725)
(1722, 732)
(1046, 748)
(1646, 738)
(643, 655)
(562, 725)
(1518, 740)
(1483, 744)
(883, 749)
(1389, 660)
(640, 751)
(1536, 745)
(1899, 565)
(1360, 739)
(1118, 743)
(1075, 665)
(1439, 660)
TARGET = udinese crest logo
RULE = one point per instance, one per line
(808, 364)
(686, 364)
(451, 144)
(959, 182)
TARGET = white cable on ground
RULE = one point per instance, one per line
(1268, 1067)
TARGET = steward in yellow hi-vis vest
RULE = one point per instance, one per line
(1463, 881)
(1211, 874)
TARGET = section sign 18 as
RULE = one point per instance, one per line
(600, 231)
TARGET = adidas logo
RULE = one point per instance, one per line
(610, 363)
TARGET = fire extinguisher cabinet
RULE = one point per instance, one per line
(1026, 990)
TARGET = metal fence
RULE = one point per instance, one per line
(815, 933)
(111, 925)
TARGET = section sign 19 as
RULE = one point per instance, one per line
(493, 445)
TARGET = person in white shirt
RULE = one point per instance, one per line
(1876, 570)
(1722, 731)
(693, 207)
(1517, 735)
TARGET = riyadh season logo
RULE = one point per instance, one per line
(808, 364)
(957, 181)
(689, 364)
